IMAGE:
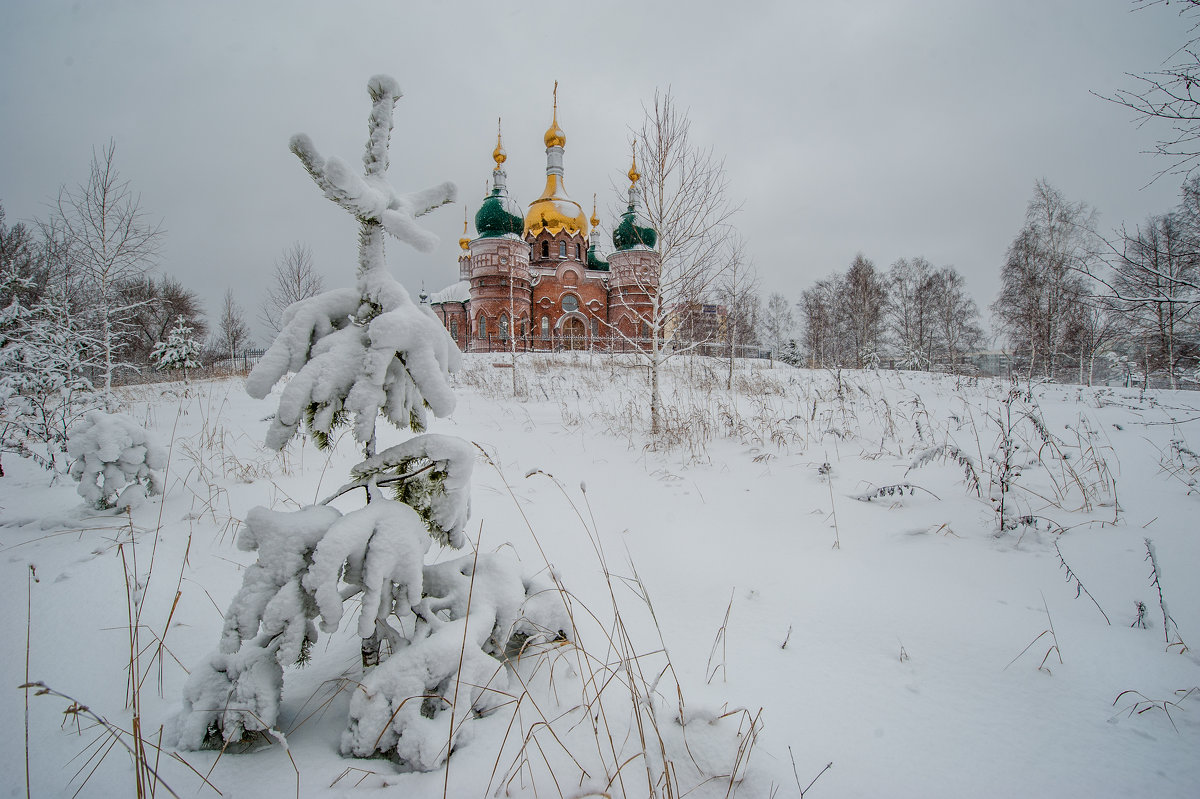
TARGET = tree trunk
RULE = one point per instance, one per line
(732, 350)
(106, 333)
(655, 400)
(1174, 384)
(370, 651)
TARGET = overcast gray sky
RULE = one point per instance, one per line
(891, 127)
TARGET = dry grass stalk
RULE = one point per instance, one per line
(1156, 583)
(812, 782)
(1144, 704)
(1052, 649)
(1079, 586)
(719, 641)
(618, 711)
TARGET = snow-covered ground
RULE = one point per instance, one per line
(754, 569)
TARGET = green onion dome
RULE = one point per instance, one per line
(594, 261)
(499, 215)
(629, 234)
(495, 216)
(634, 230)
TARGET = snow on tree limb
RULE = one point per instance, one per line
(396, 365)
(285, 543)
(440, 492)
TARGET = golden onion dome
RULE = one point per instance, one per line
(499, 155)
(555, 211)
(633, 174)
(555, 136)
(595, 220)
(464, 242)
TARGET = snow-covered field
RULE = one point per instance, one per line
(803, 565)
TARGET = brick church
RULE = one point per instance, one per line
(538, 275)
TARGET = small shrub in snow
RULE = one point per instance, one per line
(952, 452)
(438, 641)
(116, 461)
(894, 490)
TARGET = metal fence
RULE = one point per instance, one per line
(141, 374)
(557, 342)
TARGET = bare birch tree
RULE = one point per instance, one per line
(1155, 285)
(910, 316)
(232, 333)
(737, 290)
(862, 303)
(686, 196)
(295, 278)
(1101, 326)
(1040, 280)
(778, 324)
(108, 241)
(819, 320)
(954, 317)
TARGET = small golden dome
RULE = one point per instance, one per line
(555, 137)
(498, 155)
(633, 173)
(595, 220)
(464, 242)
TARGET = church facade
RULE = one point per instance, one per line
(534, 277)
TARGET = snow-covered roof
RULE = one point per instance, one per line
(456, 292)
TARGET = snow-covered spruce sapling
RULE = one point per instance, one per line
(180, 350)
(432, 636)
(116, 461)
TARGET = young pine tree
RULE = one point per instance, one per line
(356, 354)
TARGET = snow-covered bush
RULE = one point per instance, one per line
(179, 351)
(117, 463)
(431, 635)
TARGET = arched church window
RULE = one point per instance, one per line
(545, 249)
(481, 329)
(545, 327)
(645, 330)
(578, 252)
(454, 329)
(562, 249)
(503, 325)
(595, 327)
(521, 327)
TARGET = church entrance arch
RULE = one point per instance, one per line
(574, 334)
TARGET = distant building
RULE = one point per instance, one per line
(696, 323)
(538, 275)
(990, 363)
